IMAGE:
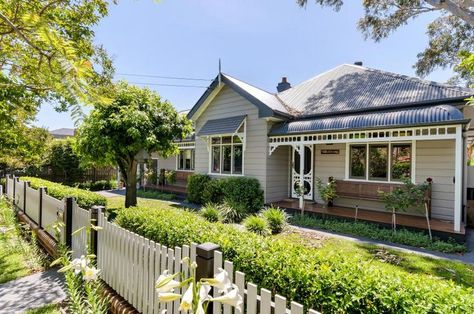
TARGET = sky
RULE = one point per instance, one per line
(257, 42)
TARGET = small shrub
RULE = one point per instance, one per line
(276, 218)
(243, 193)
(156, 195)
(257, 224)
(97, 185)
(232, 214)
(196, 185)
(85, 199)
(210, 212)
(212, 192)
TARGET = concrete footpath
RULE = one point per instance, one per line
(37, 290)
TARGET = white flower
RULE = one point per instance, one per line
(221, 281)
(200, 309)
(91, 273)
(204, 293)
(187, 301)
(166, 283)
(232, 298)
(168, 296)
(79, 264)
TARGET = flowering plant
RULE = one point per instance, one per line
(196, 296)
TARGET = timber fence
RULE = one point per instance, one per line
(129, 263)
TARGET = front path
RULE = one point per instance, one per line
(37, 290)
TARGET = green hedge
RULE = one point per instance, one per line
(241, 193)
(85, 199)
(332, 283)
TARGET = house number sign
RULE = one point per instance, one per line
(330, 151)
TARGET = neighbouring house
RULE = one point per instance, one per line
(62, 133)
(365, 127)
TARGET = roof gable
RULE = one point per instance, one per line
(268, 104)
(350, 88)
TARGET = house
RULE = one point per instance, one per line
(365, 127)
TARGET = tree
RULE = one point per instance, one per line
(47, 49)
(136, 121)
(451, 32)
(64, 162)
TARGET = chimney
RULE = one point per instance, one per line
(283, 85)
(359, 63)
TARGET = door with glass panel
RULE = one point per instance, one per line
(307, 172)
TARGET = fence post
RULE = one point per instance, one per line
(14, 192)
(25, 185)
(7, 178)
(205, 260)
(95, 210)
(69, 203)
(41, 191)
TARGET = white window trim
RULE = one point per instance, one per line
(389, 174)
(241, 136)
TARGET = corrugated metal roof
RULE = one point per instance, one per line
(354, 88)
(228, 125)
(382, 119)
(265, 97)
(62, 132)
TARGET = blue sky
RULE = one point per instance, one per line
(258, 42)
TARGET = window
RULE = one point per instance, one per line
(401, 161)
(227, 155)
(186, 159)
(380, 162)
(357, 161)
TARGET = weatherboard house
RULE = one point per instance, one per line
(366, 128)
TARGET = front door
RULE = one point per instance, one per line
(307, 173)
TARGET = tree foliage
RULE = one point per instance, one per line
(63, 161)
(450, 32)
(136, 121)
(47, 49)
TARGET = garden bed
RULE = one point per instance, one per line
(326, 278)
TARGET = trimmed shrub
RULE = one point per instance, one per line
(257, 224)
(156, 195)
(232, 214)
(276, 218)
(196, 185)
(330, 283)
(85, 199)
(212, 192)
(243, 193)
(97, 185)
(210, 212)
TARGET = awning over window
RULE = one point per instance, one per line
(221, 126)
(440, 114)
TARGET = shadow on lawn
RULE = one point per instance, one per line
(460, 273)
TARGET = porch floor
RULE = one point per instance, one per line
(415, 222)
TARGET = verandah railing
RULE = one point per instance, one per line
(130, 263)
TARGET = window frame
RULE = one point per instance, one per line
(230, 144)
(389, 145)
(192, 161)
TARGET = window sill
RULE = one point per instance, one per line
(225, 174)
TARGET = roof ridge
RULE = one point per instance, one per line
(247, 83)
(415, 79)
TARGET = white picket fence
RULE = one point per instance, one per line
(130, 263)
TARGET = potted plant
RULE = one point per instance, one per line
(327, 191)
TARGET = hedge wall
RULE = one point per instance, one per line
(85, 199)
(334, 283)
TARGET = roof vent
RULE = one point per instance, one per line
(359, 63)
(283, 85)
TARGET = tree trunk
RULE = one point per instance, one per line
(131, 185)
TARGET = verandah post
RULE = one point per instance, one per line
(68, 205)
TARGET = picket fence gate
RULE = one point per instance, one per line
(130, 263)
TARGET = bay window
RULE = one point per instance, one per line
(380, 162)
(226, 155)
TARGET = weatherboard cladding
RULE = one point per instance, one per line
(354, 88)
(228, 125)
(393, 118)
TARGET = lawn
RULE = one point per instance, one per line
(47, 309)
(18, 257)
(462, 274)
